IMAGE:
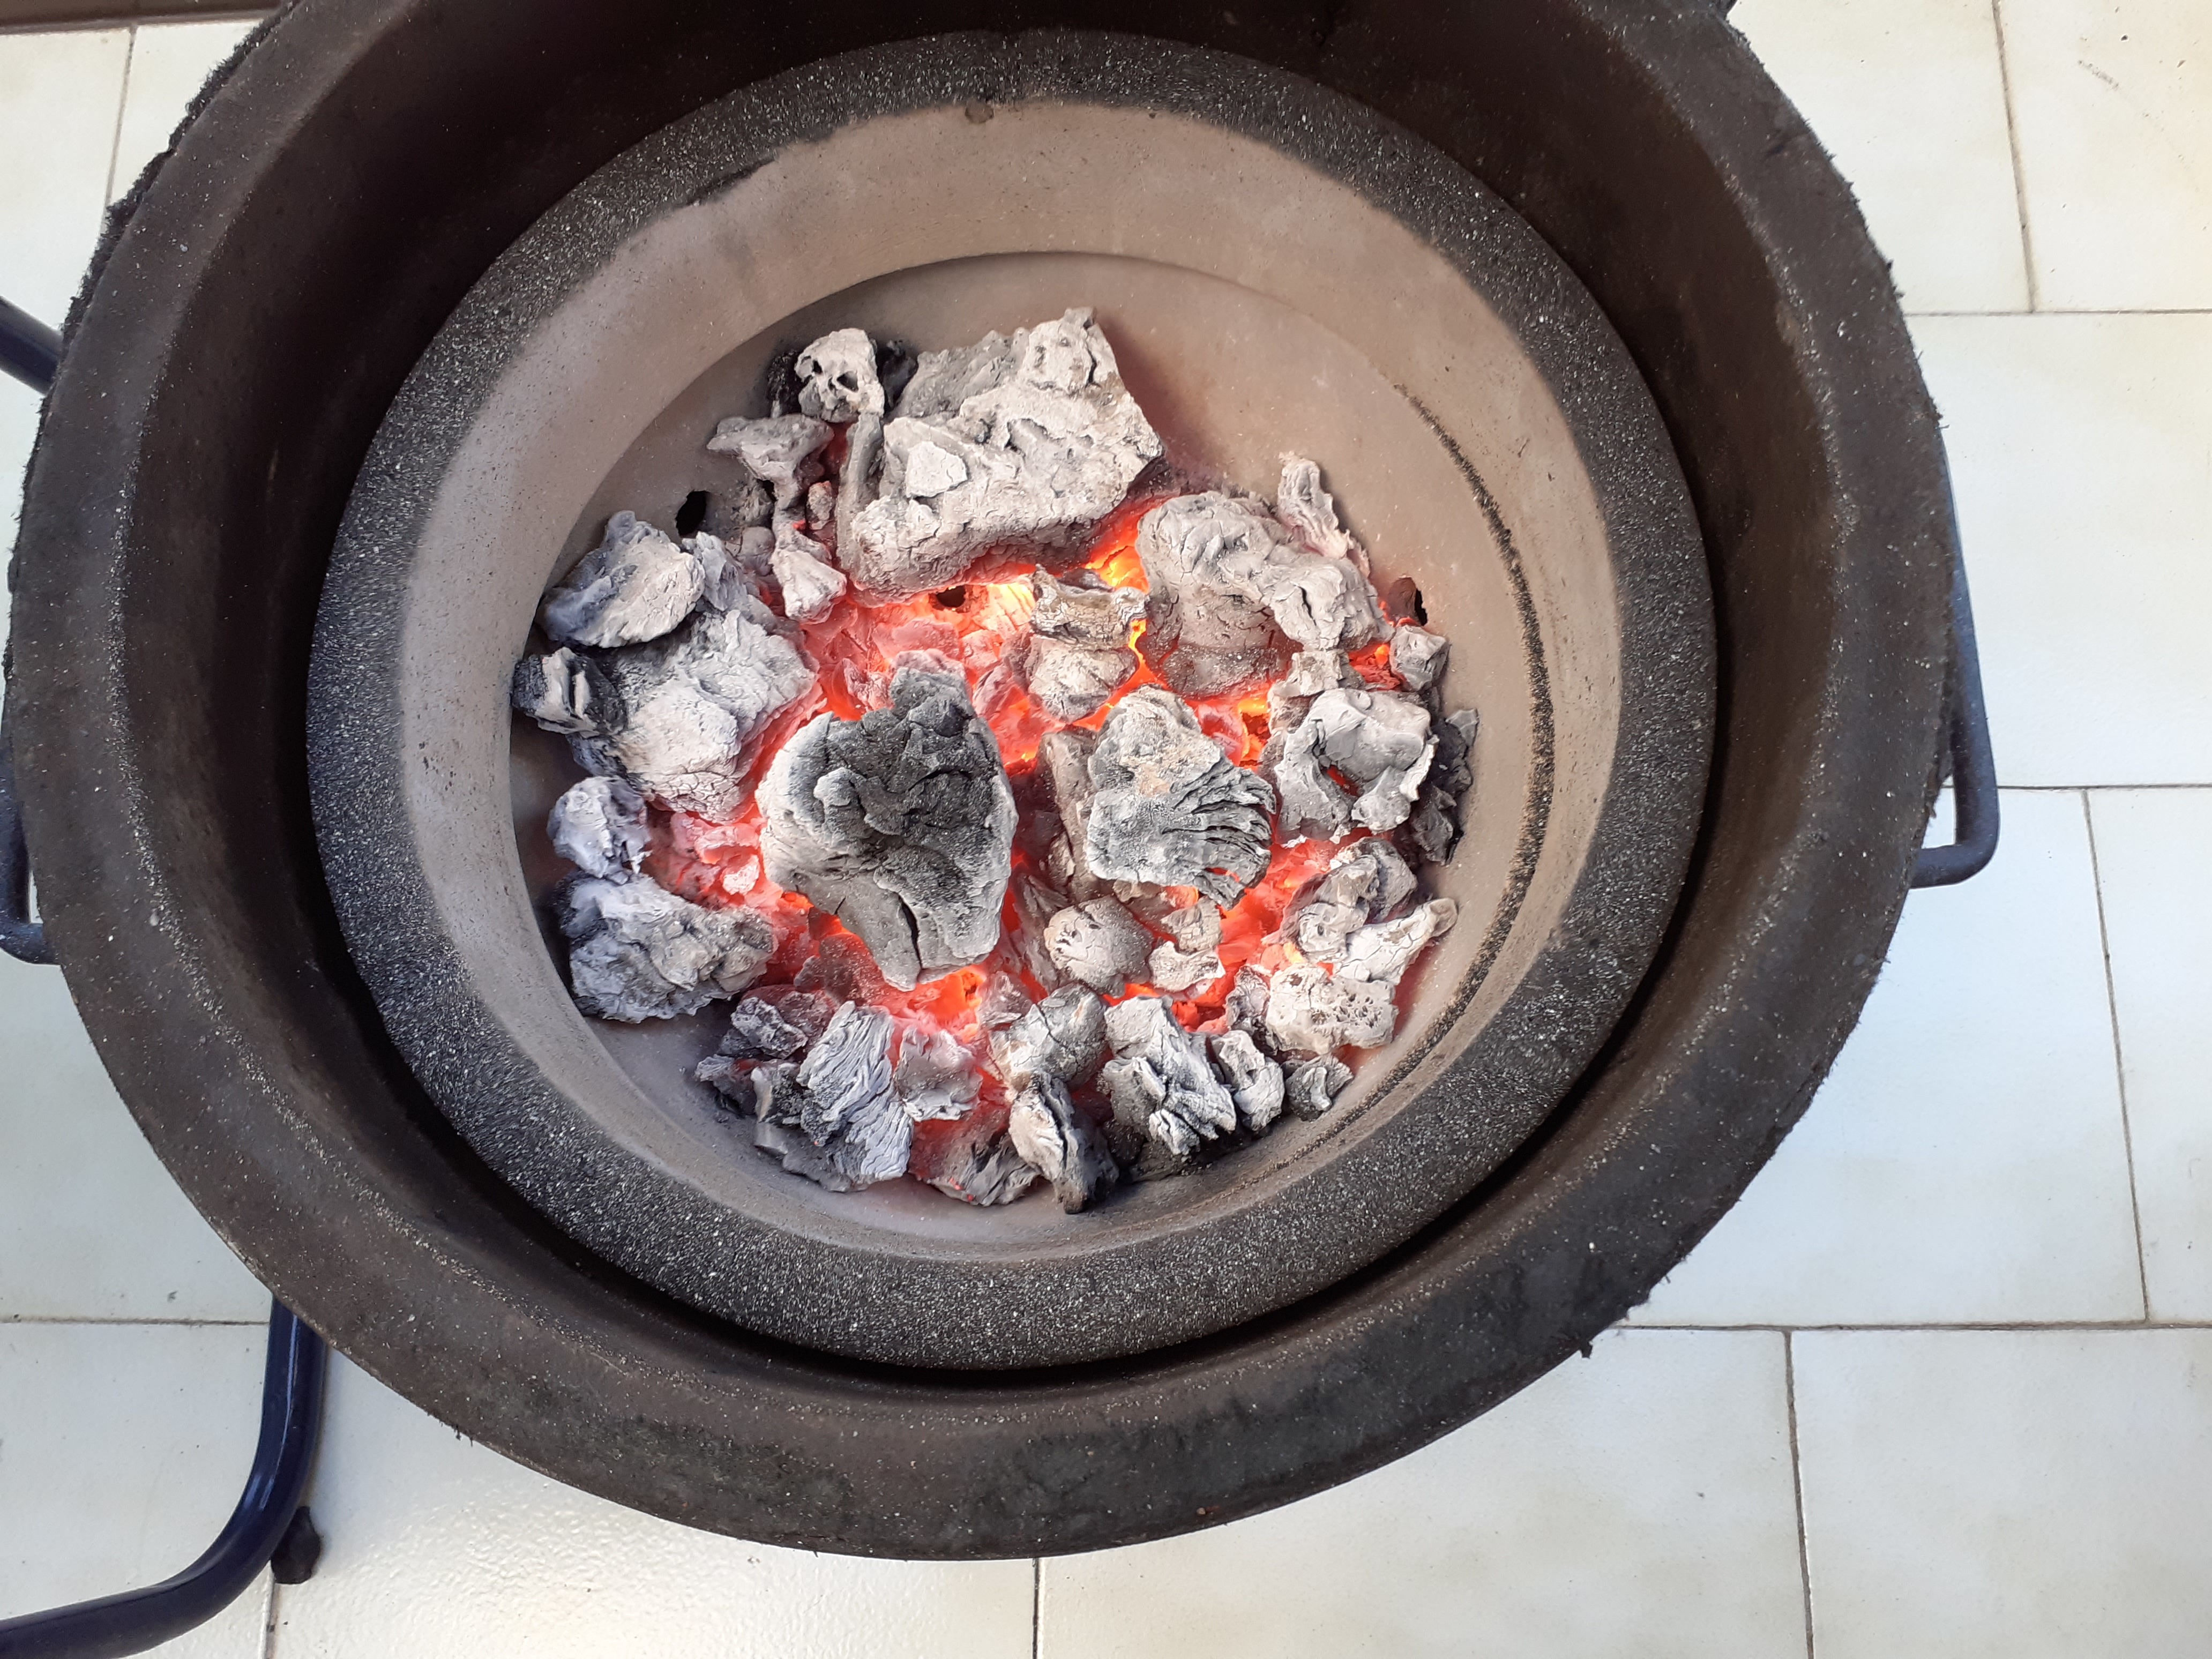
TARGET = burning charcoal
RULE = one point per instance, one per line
(598, 825)
(1003, 1002)
(1379, 740)
(1031, 440)
(1311, 1088)
(731, 1078)
(1064, 1037)
(1063, 767)
(692, 705)
(1365, 882)
(1307, 512)
(1228, 583)
(1434, 826)
(811, 585)
(1100, 944)
(1064, 1146)
(851, 1109)
(634, 585)
(800, 1156)
(758, 1031)
(901, 825)
(1166, 1098)
(1208, 629)
(837, 378)
(1384, 951)
(936, 1076)
(1169, 808)
(567, 693)
(1192, 959)
(1083, 614)
(725, 580)
(775, 449)
(637, 952)
(1418, 657)
(1246, 1008)
(1310, 673)
(1313, 1012)
(1071, 682)
(1035, 904)
(979, 1165)
(809, 1010)
(1256, 1082)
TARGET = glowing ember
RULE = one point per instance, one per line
(1118, 810)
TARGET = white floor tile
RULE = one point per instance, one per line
(1965, 1161)
(2113, 104)
(122, 1450)
(436, 1546)
(169, 63)
(2009, 1494)
(1637, 1502)
(2079, 449)
(60, 94)
(1887, 85)
(91, 1225)
(2153, 852)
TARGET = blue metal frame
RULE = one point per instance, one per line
(270, 1517)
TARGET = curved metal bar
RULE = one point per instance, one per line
(20, 936)
(29, 350)
(1973, 762)
(291, 1422)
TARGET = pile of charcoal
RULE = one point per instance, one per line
(1046, 823)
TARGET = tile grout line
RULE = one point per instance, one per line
(1911, 315)
(1036, 1607)
(122, 103)
(268, 1626)
(2119, 1057)
(7, 1320)
(1797, 1485)
(2018, 172)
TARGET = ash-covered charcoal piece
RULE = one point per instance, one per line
(851, 1109)
(1066, 1147)
(783, 451)
(1256, 1082)
(634, 586)
(1070, 682)
(810, 584)
(726, 578)
(689, 708)
(901, 825)
(1064, 1036)
(1378, 741)
(1085, 611)
(1063, 770)
(1367, 882)
(637, 952)
(1309, 513)
(759, 1031)
(1166, 1099)
(1003, 1002)
(809, 1011)
(1169, 809)
(1418, 658)
(1189, 957)
(1032, 440)
(977, 1164)
(936, 1076)
(1231, 589)
(1433, 828)
(599, 826)
(1311, 1087)
(1099, 944)
(1312, 1011)
(838, 383)
(777, 449)
(1383, 951)
(567, 692)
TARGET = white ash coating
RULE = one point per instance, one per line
(1256, 1082)
(900, 824)
(1063, 1144)
(1379, 740)
(1161, 1087)
(1099, 944)
(936, 1076)
(1031, 440)
(1385, 949)
(1311, 1087)
(599, 826)
(1063, 1037)
(850, 1108)
(1309, 513)
(1313, 1012)
(637, 952)
(1168, 807)
(634, 585)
